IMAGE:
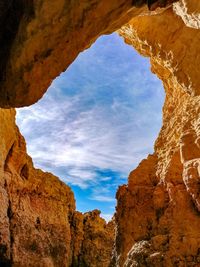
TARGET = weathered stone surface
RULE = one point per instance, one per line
(93, 240)
(161, 199)
(43, 37)
(38, 223)
(188, 10)
(35, 206)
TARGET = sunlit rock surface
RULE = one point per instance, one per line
(35, 206)
(189, 11)
(39, 39)
(37, 213)
(92, 240)
(157, 216)
(161, 199)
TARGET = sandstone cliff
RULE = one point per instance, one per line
(35, 206)
(39, 225)
(37, 213)
(161, 199)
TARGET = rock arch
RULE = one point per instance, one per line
(161, 199)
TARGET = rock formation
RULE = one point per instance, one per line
(41, 34)
(92, 240)
(161, 199)
(157, 216)
(33, 205)
(37, 213)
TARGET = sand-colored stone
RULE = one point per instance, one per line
(161, 199)
(35, 206)
(39, 226)
(43, 37)
(93, 240)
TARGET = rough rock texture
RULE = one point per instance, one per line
(161, 200)
(93, 240)
(41, 34)
(35, 206)
(189, 12)
(37, 212)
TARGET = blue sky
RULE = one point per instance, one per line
(97, 121)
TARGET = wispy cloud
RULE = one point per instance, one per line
(104, 113)
(102, 198)
(60, 134)
(102, 193)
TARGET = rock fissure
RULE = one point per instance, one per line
(10, 215)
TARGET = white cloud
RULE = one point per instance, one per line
(76, 132)
(102, 198)
(65, 137)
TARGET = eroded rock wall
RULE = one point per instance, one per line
(35, 206)
(93, 240)
(41, 38)
(161, 200)
(38, 221)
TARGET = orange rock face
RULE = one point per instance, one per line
(93, 240)
(37, 214)
(161, 199)
(42, 33)
(35, 206)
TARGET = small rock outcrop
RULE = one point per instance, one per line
(93, 240)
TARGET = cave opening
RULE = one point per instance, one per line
(97, 121)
